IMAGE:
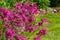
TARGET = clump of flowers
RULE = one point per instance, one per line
(37, 38)
(20, 37)
(43, 32)
(9, 33)
(20, 20)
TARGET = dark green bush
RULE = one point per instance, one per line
(55, 3)
(42, 3)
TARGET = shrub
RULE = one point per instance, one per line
(42, 3)
(21, 20)
(55, 3)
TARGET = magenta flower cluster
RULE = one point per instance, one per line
(37, 38)
(9, 33)
(20, 37)
(21, 20)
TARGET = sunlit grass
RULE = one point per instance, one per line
(53, 28)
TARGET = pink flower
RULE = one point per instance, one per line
(9, 33)
(34, 5)
(18, 5)
(7, 13)
(19, 24)
(27, 3)
(44, 20)
(43, 32)
(31, 19)
(20, 37)
(29, 29)
(25, 19)
(19, 17)
(24, 11)
(37, 38)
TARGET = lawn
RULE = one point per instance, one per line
(54, 27)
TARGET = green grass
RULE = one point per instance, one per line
(53, 28)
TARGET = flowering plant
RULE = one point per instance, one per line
(21, 20)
